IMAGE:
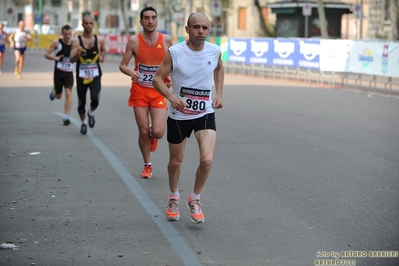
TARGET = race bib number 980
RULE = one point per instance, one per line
(196, 100)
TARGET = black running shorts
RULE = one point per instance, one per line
(178, 130)
(62, 79)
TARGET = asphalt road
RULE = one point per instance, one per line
(300, 174)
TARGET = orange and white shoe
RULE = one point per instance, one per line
(196, 214)
(172, 210)
(147, 172)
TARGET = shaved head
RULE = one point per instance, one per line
(194, 16)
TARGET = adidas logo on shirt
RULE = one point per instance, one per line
(159, 46)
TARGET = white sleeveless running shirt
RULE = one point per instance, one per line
(192, 79)
(20, 39)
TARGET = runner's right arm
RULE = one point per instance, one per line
(49, 53)
(130, 49)
(11, 39)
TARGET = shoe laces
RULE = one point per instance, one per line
(195, 206)
(173, 204)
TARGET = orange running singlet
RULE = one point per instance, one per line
(147, 61)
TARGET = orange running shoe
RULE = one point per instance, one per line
(196, 214)
(147, 172)
(172, 210)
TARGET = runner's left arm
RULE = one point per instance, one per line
(218, 78)
(103, 50)
(49, 53)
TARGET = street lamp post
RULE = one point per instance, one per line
(40, 15)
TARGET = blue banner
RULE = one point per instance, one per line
(260, 51)
(239, 50)
(285, 52)
(309, 54)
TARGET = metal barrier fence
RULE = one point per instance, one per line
(369, 83)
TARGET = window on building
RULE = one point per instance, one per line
(56, 3)
(112, 21)
(56, 19)
(242, 18)
(387, 10)
(20, 16)
(131, 20)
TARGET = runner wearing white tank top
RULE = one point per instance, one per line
(193, 66)
(192, 79)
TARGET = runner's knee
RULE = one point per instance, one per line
(81, 109)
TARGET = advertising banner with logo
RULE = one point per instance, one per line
(309, 54)
(282, 52)
(335, 55)
(260, 51)
(285, 52)
(239, 50)
(362, 57)
(374, 58)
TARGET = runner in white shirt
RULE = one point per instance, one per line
(18, 40)
(193, 65)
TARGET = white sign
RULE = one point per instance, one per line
(335, 55)
(178, 17)
(306, 9)
(216, 9)
(375, 58)
(134, 5)
(357, 10)
(371, 58)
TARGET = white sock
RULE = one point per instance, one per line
(174, 194)
(148, 164)
(84, 122)
(195, 196)
(91, 112)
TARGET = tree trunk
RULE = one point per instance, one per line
(261, 18)
(125, 26)
(322, 19)
(394, 19)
